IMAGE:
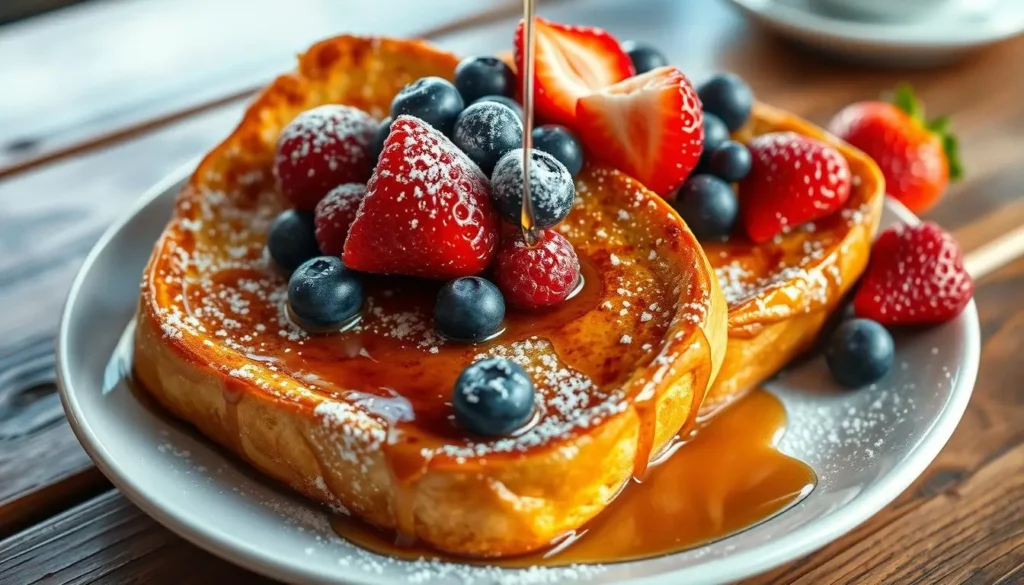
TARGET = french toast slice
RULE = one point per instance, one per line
(361, 420)
(781, 293)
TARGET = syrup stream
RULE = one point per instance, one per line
(527, 215)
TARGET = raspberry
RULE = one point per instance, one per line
(542, 275)
(321, 149)
(335, 214)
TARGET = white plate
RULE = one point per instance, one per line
(941, 37)
(866, 447)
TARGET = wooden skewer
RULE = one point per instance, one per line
(994, 255)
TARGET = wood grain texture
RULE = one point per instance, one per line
(69, 79)
(962, 522)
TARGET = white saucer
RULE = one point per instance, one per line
(939, 38)
(865, 447)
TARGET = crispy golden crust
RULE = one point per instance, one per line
(781, 293)
(199, 364)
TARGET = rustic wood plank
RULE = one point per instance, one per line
(962, 522)
(97, 92)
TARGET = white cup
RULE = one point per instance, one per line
(881, 10)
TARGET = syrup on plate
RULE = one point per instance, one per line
(727, 478)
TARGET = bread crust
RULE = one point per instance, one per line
(337, 452)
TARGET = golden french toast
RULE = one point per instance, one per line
(781, 293)
(362, 420)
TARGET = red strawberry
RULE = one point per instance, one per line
(570, 62)
(649, 126)
(915, 276)
(335, 214)
(537, 276)
(427, 210)
(321, 149)
(793, 179)
(917, 158)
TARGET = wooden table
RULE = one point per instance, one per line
(101, 100)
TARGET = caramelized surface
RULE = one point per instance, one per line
(729, 477)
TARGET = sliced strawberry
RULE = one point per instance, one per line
(793, 179)
(915, 276)
(570, 62)
(649, 126)
(427, 210)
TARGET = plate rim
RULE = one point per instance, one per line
(877, 35)
(796, 544)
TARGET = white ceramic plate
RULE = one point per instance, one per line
(943, 36)
(866, 447)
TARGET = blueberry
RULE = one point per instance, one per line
(323, 293)
(708, 205)
(431, 99)
(728, 97)
(469, 309)
(551, 187)
(291, 240)
(486, 131)
(507, 101)
(377, 144)
(644, 56)
(560, 143)
(859, 352)
(730, 162)
(476, 77)
(715, 132)
(493, 397)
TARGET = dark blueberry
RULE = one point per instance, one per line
(859, 353)
(708, 205)
(728, 97)
(560, 143)
(493, 397)
(551, 188)
(729, 162)
(476, 77)
(715, 132)
(469, 309)
(507, 101)
(486, 131)
(644, 56)
(291, 240)
(431, 99)
(377, 144)
(323, 293)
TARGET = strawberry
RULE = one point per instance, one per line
(915, 276)
(321, 149)
(570, 62)
(917, 158)
(537, 276)
(427, 210)
(793, 179)
(649, 126)
(334, 215)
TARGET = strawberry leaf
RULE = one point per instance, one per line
(951, 147)
(905, 100)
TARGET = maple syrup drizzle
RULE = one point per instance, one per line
(527, 217)
(724, 478)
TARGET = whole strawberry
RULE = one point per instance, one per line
(427, 210)
(915, 276)
(917, 158)
(793, 179)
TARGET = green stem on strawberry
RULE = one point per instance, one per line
(905, 99)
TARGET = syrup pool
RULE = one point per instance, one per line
(730, 476)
